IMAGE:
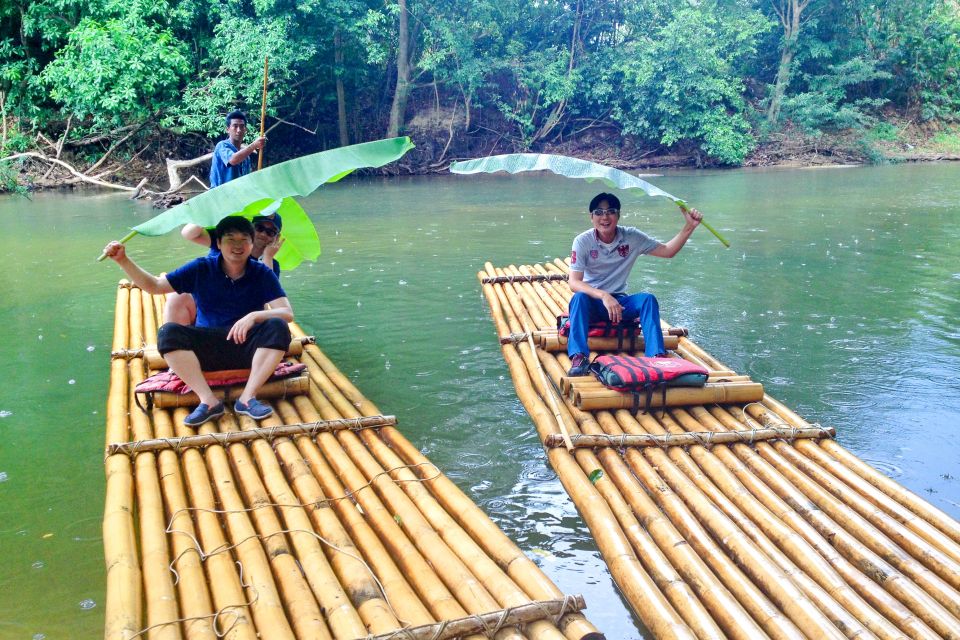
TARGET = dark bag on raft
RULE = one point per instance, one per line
(638, 375)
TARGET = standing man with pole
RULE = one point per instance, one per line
(231, 159)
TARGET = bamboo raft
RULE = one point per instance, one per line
(727, 518)
(319, 522)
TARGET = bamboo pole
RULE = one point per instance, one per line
(483, 530)
(556, 342)
(340, 615)
(123, 614)
(827, 535)
(194, 595)
(233, 437)
(703, 438)
(229, 598)
(469, 591)
(729, 393)
(927, 512)
(263, 112)
(525, 613)
(160, 597)
(262, 547)
(271, 390)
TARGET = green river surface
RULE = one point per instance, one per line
(841, 293)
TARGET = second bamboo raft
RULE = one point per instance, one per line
(320, 522)
(729, 518)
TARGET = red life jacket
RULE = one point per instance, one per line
(629, 373)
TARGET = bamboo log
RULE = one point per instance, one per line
(266, 433)
(827, 535)
(195, 599)
(160, 598)
(488, 622)
(737, 393)
(262, 548)
(226, 589)
(272, 390)
(123, 615)
(521, 278)
(926, 511)
(556, 342)
(567, 383)
(703, 438)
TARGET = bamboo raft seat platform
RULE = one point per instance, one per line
(321, 521)
(731, 517)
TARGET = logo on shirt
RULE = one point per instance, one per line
(573, 257)
(623, 250)
(594, 254)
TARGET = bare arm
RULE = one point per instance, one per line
(146, 281)
(577, 285)
(692, 219)
(245, 152)
(279, 308)
(196, 233)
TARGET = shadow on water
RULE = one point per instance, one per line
(840, 294)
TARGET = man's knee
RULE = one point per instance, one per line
(580, 300)
(174, 337)
(273, 334)
(180, 308)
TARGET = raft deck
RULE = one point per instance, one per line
(721, 516)
(321, 521)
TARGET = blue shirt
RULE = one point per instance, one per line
(220, 168)
(221, 301)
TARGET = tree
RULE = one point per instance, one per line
(792, 14)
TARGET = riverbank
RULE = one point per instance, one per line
(891, 141)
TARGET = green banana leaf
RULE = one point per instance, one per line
(256, 192)
(569, 168)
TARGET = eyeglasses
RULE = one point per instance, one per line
(605, 212)
(270, 231)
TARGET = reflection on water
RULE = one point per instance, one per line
(840, 295)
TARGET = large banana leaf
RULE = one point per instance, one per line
(251, 194)
(569, 168)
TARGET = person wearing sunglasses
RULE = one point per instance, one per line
(600, 263)
(182, 308)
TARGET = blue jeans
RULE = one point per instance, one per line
(584, 310)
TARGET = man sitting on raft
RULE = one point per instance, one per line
(181, 308)
(234, 330)
(600, 263)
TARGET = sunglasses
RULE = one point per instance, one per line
(269, 230)
(605, 212)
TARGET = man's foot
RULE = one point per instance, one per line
(255, 409)
(580, 365)
(202, 414)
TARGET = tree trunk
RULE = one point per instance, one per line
(402, 92)
(790, 13)
(341, 94)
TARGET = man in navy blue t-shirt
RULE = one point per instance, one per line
(230, 159)
(234, 327)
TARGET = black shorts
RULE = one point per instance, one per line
(214, 351)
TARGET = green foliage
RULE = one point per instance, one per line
(116, 69)
(688, 75)
(828, 104)
(882, 132)
(675, 82)
(948, 140)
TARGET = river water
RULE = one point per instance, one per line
(841, 293)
